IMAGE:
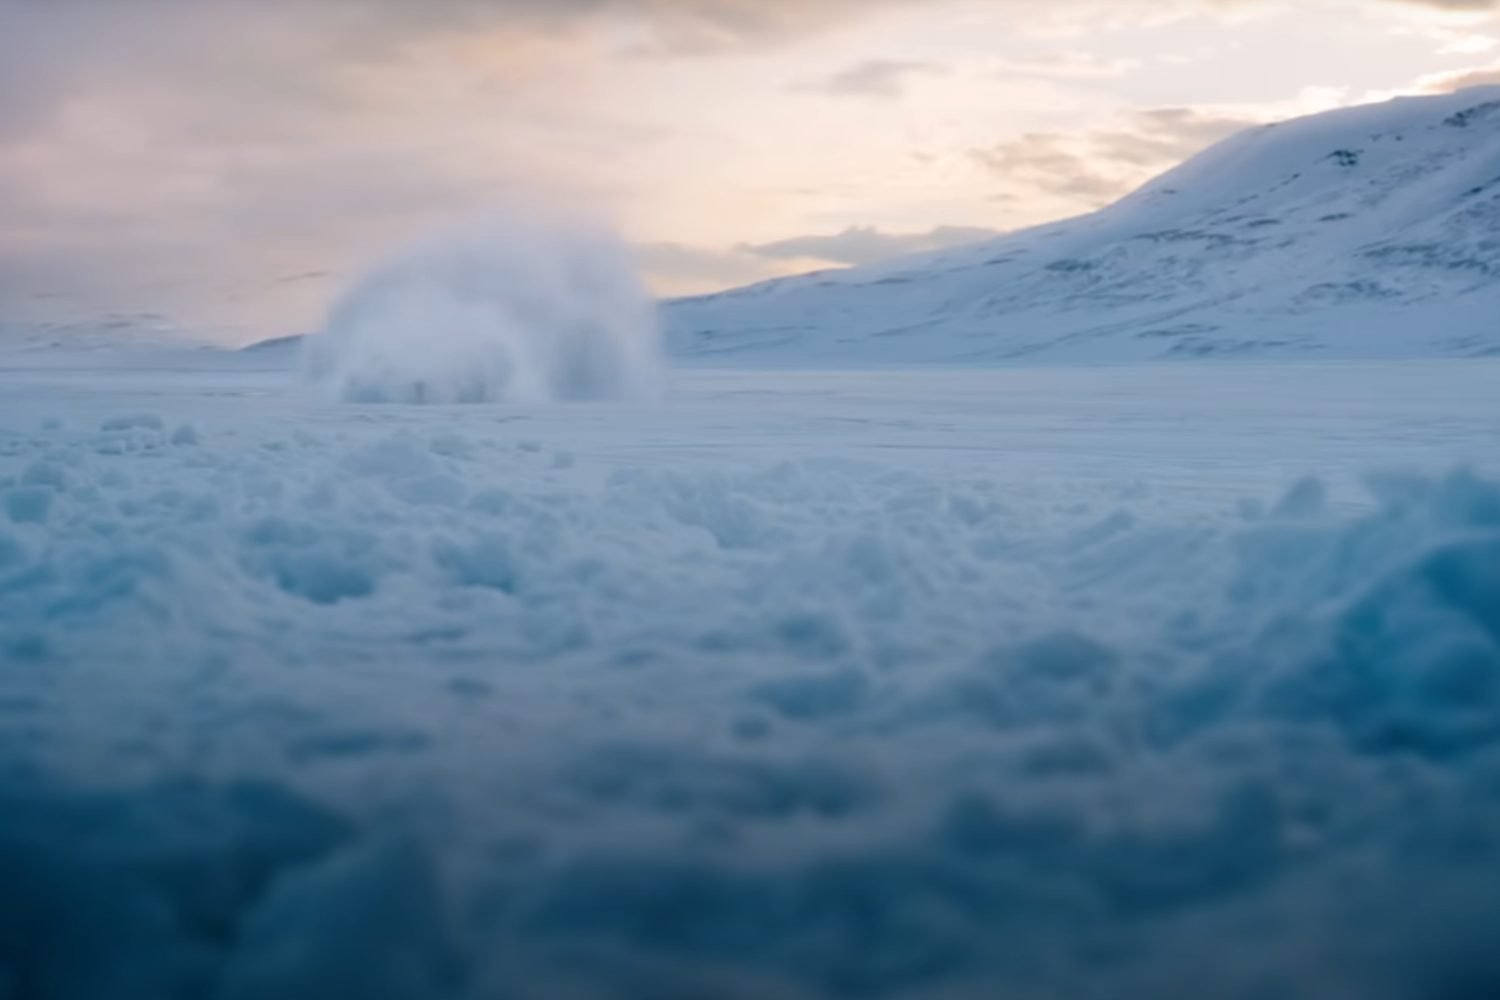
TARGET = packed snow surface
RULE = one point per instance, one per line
(521, 308)
(1066, 684)
(1369, 232)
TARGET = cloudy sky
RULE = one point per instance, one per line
(224, 164)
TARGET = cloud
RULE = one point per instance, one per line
(50, 48)
(678, 269)
(53, 52)
(1048, 162)
(866, 245)
(145, 160)
(1097, 167)
(1444, 83)
(1459, 5)
(1067, 66)
(878, 78)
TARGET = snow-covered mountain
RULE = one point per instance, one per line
(1366, 232)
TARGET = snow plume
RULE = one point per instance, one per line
(523, 307)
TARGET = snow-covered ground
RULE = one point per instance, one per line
(1046, 683)
(1367, 232)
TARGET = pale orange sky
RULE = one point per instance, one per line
(226, 163)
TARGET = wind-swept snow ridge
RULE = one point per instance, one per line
(1366, 232)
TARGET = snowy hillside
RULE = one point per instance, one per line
(1366, 232)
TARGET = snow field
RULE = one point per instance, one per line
(301, 701)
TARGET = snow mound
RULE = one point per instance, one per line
(522, 308)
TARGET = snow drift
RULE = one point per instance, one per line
(522, 308)
(1368, 232)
